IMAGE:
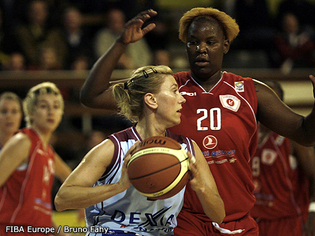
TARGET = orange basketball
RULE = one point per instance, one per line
(159, 167)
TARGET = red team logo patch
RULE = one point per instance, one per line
(268, 156)
(230, 102)
(210, 142)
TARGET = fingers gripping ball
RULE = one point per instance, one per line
(158, 167)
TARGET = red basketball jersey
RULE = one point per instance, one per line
(25, 199)
(223, 123)
(281, 189)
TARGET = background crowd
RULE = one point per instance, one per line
(71, 35)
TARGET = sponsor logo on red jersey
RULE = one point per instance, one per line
(210, 142)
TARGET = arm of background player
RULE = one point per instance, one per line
(14, 153)
(278, 117)
(62, 170)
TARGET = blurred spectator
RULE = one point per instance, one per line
(137, 54)
(7, 43)
(80, 63)
(256, 25)
(162, 57)
(302, 9)
(35, 32)
(160, 36)
(228, 6)
(294, 47)
(129, 7)
(94, 138)
(16, 62)
(48, 60)
(76, 39)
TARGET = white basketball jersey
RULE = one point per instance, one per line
(130, 211)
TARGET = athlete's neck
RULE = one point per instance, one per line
(210, 82)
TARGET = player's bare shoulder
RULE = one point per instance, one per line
(101, 153)
(19, 141)
(263, 91)
(17, 149)
(260, 86)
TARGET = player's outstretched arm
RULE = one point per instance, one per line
(78, 192)
(278, 117)
(204, 185)
(95, 91)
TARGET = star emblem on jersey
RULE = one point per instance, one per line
(230, 102)
(210, 142)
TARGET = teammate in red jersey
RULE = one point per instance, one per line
(28, 165)
(11, 115)
(284, 179)
(220, 114)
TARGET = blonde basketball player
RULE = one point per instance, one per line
(100, 183)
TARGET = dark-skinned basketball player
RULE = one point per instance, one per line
(220, 114)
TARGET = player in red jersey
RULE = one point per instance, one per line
(282, 171)
(11, 115)
(220, 114)
(28, 165)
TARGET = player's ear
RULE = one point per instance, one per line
(226, 46)
(150, 100)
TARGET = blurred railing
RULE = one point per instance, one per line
(297, 87)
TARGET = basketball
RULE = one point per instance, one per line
(158, 167)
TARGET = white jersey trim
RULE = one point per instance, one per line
(227, 231)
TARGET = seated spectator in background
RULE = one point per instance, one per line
(80, 63)
(136, 54)
(160, 37)
(36, 32)
(16, 62)
(303, 9)
(7, 43)
(76, 39)
(162, 57)
(256, 25)
(93, 138)
(293, 45)
(48, 60)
